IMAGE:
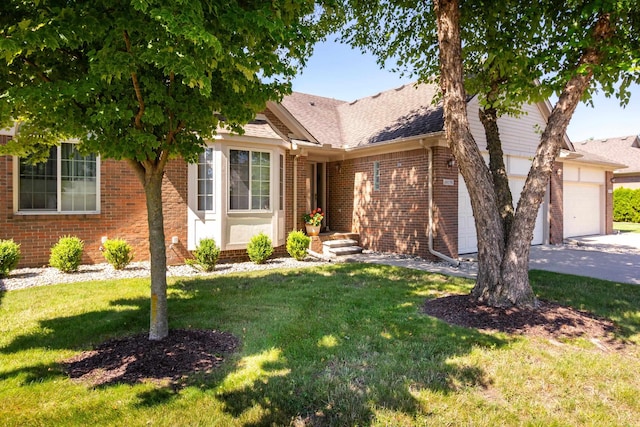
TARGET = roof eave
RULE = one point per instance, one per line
(432, 139)
(289, 120)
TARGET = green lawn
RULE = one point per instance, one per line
(340, 345)
(627, 227)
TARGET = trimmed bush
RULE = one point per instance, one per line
(626, 205)
(206, 255)
(67, 254)
(260, 248)
(297, 244)
(9, 256)
(118, 253)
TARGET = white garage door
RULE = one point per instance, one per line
(467, 238)
(582, 213)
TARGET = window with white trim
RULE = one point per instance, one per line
(205, 180)
(281, 182)
(66, 182)
(249, 180)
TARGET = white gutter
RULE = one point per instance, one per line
(419, 138)
(431, 250)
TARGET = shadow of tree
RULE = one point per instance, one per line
(326, 346)
(419, 121)
(34, 373)
(346, 386)
(338, 353)
(84, 330)
(619, 302)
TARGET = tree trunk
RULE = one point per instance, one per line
(472, 166)
(150, 175)
(159, 324)
(503, 250)
(515, 264)
(489, 119)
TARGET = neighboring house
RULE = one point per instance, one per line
(625, 150)
(379, 167)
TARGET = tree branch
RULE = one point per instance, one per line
(136, 85)
(41, 74)
(138, 169)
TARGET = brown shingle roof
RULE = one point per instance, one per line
(258, 129)
(317, 114)
(624, 150)
(397, 113)
(394, 114)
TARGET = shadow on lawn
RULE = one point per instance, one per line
(326, 346)
(335, 353)
(85, 330)
(619, 302)
(346, 386)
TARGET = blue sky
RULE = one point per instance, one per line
(337, 71)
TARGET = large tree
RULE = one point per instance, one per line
(519, 52)
(145, 81)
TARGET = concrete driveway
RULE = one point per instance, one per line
(613, 257)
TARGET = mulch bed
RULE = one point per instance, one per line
(136, 359)
(550, 320)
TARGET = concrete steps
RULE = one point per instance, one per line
(340, 247)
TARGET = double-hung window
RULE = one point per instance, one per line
(67, 182)
(205, 180)
(249, 180)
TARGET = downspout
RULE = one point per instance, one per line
(431, 250)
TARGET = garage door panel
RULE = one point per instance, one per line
(582, 209)
(467, 237)
(516, 185)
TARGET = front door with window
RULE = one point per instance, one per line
(316, 187)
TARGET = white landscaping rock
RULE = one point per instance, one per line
(29, 277)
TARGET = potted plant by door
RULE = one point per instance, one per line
(312, 221)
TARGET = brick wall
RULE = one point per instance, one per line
(395, 217)
(608, 213)
(123, 215)
(556, 224)
(445, 203)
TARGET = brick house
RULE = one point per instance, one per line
(378, 166)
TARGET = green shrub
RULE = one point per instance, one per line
(626, 205)
(67, 254)
(260, 248)
(297, 244)
(206, 255)
(9, 256)
(118, 253)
